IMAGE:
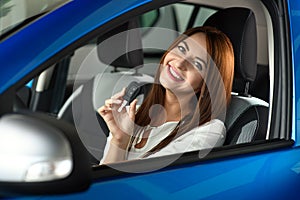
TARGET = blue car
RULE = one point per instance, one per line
(61, 59)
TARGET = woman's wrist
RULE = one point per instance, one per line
(121, 142)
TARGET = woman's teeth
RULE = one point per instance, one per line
(174, 74)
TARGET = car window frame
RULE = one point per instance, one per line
(282, 103)
(282, 91)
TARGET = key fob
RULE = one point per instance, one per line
(131, 90)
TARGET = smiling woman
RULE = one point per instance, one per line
(188, 99)
(52, 140)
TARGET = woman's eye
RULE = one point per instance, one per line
(181, 49)
(198, 65)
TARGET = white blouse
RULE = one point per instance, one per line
(209, 135)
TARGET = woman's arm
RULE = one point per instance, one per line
(113, 154)
(120, 124)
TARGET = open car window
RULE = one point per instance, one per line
(84, 74)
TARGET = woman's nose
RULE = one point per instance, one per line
(181, 63)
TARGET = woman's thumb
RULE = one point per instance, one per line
(132, 109)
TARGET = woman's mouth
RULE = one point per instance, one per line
(173, 74)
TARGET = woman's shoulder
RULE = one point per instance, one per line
(212, 128)
(206, 136)
(214, 125)
(215, 121)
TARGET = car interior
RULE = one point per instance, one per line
(75, 87)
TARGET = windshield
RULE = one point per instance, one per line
(14, 14)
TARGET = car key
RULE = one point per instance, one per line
(131, 89)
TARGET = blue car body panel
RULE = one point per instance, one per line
(264, 175)
(255, 176)
(26, 50)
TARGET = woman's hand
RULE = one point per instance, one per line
(120, 124)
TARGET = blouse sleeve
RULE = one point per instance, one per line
(209, 135)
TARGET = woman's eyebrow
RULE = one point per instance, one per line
(185, 44)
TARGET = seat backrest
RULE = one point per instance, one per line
(123, 50)
(247, 116)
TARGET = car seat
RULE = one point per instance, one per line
(123, 50)
(247, 116)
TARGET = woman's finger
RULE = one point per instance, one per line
(120, 94)
(132, 109)
(111, 102)
(103, 110)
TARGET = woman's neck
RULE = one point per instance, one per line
(176, 107)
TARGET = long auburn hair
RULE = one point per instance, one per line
(212, 95)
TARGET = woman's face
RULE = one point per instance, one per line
(184, 66)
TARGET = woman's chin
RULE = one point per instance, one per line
(168, 84)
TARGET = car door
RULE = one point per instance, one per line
(233, 171)
(262, 169)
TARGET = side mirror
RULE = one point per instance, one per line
(41, 155)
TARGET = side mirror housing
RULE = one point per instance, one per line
(41, 155)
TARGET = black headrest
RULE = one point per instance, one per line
(240, 26)
(122, 46)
